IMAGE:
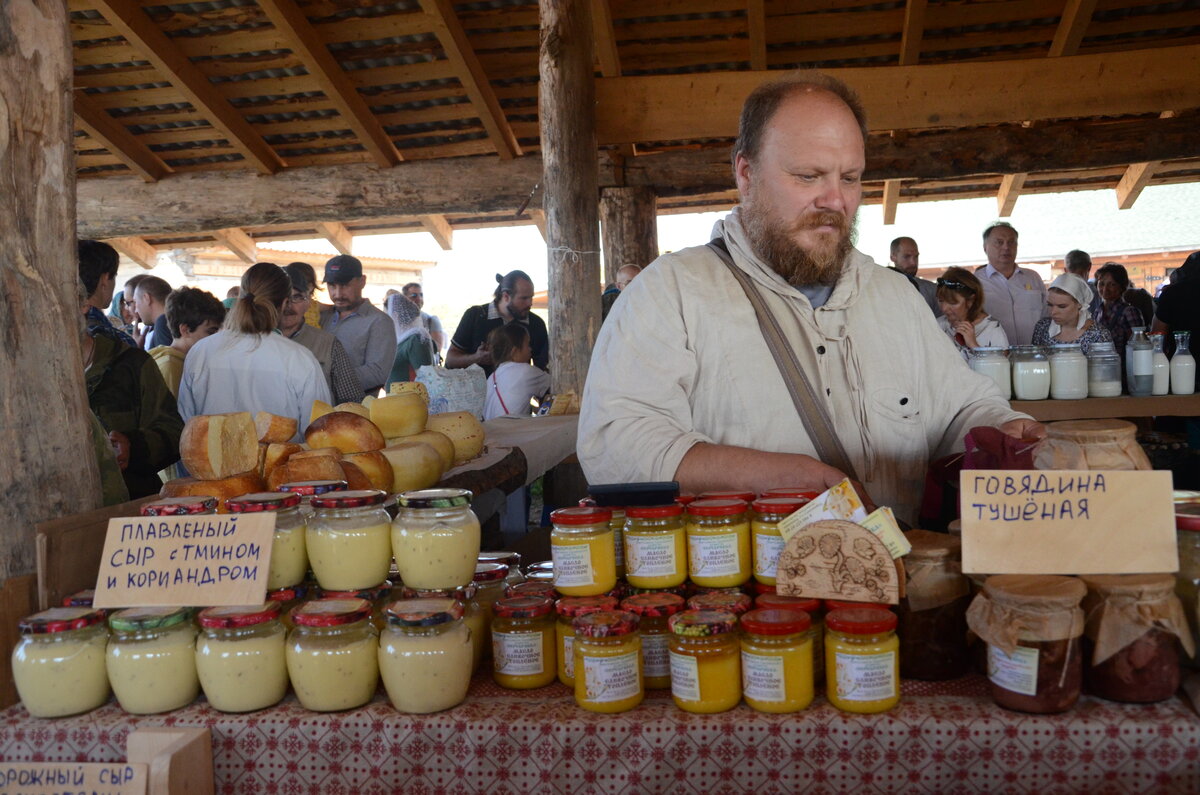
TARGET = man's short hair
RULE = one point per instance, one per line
(896, 243)
(999, 225)
(404, 289)
(303, 276)
(156, 288)
(1077, 260)
(95, 260)
(191, 306)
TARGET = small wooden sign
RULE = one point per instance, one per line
(836, 559)
(180, 561)
(1067, 522)
(47, 778)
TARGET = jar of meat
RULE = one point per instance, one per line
(933, 614)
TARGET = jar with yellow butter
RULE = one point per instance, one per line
(435, 538)
(58, 664)
(349, 540)
(718, 536)
(240, 657)
(581, 545)
(523, 642)
(180, 506)
(777, 660)
(768, 541)
(653, 611)
(617, 524)
(289, 556)
(333, 654)
(706, 666)
(474, 615)
(491, 582)
(815, 611)
(735, 602)
(379, 597)
(655, 546)
(862, 660)
(307, 489)
(289, 598)
(567, 609)
(425, 654)
(608, 661)
(151, 659)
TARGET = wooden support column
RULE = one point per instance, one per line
(628, 227)
(570, 181)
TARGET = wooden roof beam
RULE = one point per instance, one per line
(240, 243)
(1071, 25)
(1137, 176)
(605, 39)
(756, 24)
(891, 197)
(116, 138)
(337, 234)
(539, 219)
(136, 249)
(914, 31)
(440, 228)
(1010, 189)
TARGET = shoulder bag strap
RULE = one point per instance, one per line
(810, 408)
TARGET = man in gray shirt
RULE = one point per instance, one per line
(365, 332)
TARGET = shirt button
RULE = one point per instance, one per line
(821, 349)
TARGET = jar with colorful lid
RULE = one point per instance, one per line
(862, 666)
(83, 598)
(1030, 372)
(608, 661)
(794, 492)
(567, 609)
(289, 555)
(532, 588)
(706, 667)
(58, 664)
(379, 597)
(151, 659)
(581, 545)
(768, 541)
(477, 618)
(288, 598)
(240, 657)
(307, 489)
(435, 538)
(718, 536)
(777, 660)
(180, 506)
(1032, 626)
(333, 654)
(523, 642)
(816, 615)
(655, 546)
(349, 540)
(737, 603)
(933, 614)
(425, 654)
(491, 583)
(653, 611)
(510, 559)
(733, 494)
(1187, 579)
(1134, 630)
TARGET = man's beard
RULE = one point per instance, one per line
(773, 242)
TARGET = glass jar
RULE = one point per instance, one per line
(744, 496)
(1068, 372)
(608, 661)
(180, 506)
(83, 598)
(840, 604)
(1030, 372)
(379, 597)
(333, 654)
(653, 611)
(1104, 370)
(151, 659)
(617, 525)
(1183, 366)
(1161, 383)
(816, 616)
(435, 538)
(581, 545)
(768, 542)
(349, 540)
(1139, 363)
(655, 547)
(289, 555)
(933, 613)
(1187, 580)
(58, 664)
(240, 657)
(307, 489)
(993, 362)
(777, 660)
(425, 655)
(568, 608)
(1032, 626)
(523, 642)
(532, 588)
(718, 536)
(706, 669)
(862, 666)
(476, 617)
(289, 598)
(735, 602)
(491, 582)
(795, 492)
(510, 559)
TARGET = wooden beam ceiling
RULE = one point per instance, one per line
(756, 24)
(439, 227)
(336, 234)
(237, 241)
(605, 40)
(1136, 178)
(136, 249)
(1010, 189)
(891, 197)
(116, 138)
(913, 31)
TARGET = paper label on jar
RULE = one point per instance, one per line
(656, 661)
(572, 565)
(866, 677)
(766, 554)
(1016, 672)
(685, 677)
(651, 556)
(619, 545)
(762, 677)
(568, 650)
(713, 556)
(611, 678)
(518, 653)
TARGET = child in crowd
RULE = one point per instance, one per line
(514, 382)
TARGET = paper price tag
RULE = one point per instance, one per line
(885, 527)
(839, 502)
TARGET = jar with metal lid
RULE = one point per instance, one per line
(768, 541)
(180, 506)
(435, 538)
(425, 655)
(475, 615)
(655, 546)
(1032, 625)
(581, 545)
(307, 489)
(58, 664)
(333, 654)
(1030, 372)
(777, 660)
(653, 611)
(1104, 370)
(1068, 372)
(993, 362)
(933, 614)
(532, 588)
(737, 602)
(862, 666)
(1134, 630)
(289, 556)
(706, 666)
(510, 559)
(289, 598)
(567, 609)
(349, 540)
(1187, 580)
(524, 652)
(83, 598)
(378, 596)
(815, 611)
(718, 536)
(240, 657)
(151, 659)
(491, 583)
(608, 661)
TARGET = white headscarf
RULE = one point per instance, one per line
(1078, 289)
(406, 316)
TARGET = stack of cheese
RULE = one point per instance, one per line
(224, 454)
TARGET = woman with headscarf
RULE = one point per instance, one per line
(414, 346)
(1068, 298)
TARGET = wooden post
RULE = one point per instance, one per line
(570, 179)
(629, 227)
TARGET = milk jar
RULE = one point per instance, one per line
(1104, 370)
(1162, 367)
(1030, 373)
(993, 362)
(1068, 372)
(1139, 363)
(1183, 366)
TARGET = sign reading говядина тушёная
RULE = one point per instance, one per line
(1067, 522)
(153, 561)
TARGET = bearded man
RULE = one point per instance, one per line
(683, 385)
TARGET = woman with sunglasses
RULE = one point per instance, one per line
(1069, 298)
(960, 295)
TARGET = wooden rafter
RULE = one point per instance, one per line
(137, 249)
(237, 241)
(1010, 189)
(606, 41)
(336, 233)
(891, 198)
(1137, 176)
(117, 139)
(914, 30)
(440, 228)
(1071, 25)
(756, 25)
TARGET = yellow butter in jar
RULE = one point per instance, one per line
(332, 654)
(523, 642)
(491, 580)
(608, 661)
(289, 555)
(349, 540)
(706, 669)
(617, 525)
(425, 654)
(816, 614)
(653, 611)
(240, 657)
(568, 608)
(474, 615)
(777, 660)
(718, 536)
(582, 549)
(435, 538)
(307, 489)
(151, 659)
(862, 660)
(655, 547)
(768, 541)
(58, 665)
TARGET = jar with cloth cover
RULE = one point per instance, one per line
(933, 614)
(1091, 444)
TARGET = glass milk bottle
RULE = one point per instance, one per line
(993, 362)
(1104, 370)
(1068, 372)
(1183, 366)
(1030, 373)
(1161, 384)
(1139, 363)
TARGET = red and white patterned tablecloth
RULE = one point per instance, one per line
(945, 738)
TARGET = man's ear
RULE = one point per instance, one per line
(742, 172)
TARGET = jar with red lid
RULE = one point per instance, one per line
(933, 613)
(567, 608)
(289, 556)
(379, 597)
(737, 602)
(532, 588)
(240, 657)
(718, 537)
(653, 611)
(655, 546)
(816, 615)
(794, 492)
(291, 596)
(685, 499)
(350, 540)
(491, 583)
(510, 559)
(706, 668)
(862, 666)
(333, 654)
(766, 537)
(307, 489)
(733, 494)
(83, 598)
(523, 642)
(1187, 580)
(58, 664)
(581, 545)
(777, 660)
(475, 616)
(840, 604)
(425, 654)
(180, 506)
(608, 661)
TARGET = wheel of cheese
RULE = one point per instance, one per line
(274, 429)
(415, 465)
(400, 415)
(439, 441)
(222, 490)
(348, 432)
(464, 430)
(375, 466)
(217, 446)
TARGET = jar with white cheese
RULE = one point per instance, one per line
(58, 664)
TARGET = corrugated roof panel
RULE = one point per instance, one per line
(150, 108)
(242, 102)
(131, 87)
(295, 115)
(198, 161)
(381, 10)
(261, 74)
(431, 126)
(137, 129)
(324, 150)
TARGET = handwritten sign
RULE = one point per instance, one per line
(152, 561)
(1067, 522)
(76, 778)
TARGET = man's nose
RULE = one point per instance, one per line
(832, 195)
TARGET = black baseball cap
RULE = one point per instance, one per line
(342, 268)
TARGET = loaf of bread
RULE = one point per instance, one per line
(273, 429)
(279, 454)
(218, 446)
(313, 467)
(222, 490)
(348, 432)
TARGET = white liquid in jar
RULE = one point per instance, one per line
(996, 368)
(1183, 374)
(436, 553)
(289, 558)
(1162, 374)
(1031, 380)
(426, 671)
(154, 675)
(1068, 376)
(63, 676)
(332, 672)
(351, 559)
(242, 672)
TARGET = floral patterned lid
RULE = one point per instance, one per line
(702, 623)
(736, 603)
(331, 612)
(262, 501)
(242, 616)
(571, 606)
(336, 500)
(60, 619)
(605, 624)
(135, 619)
(523, 606)
(180, 506)
(653, 605)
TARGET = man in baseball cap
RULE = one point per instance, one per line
(365, 332)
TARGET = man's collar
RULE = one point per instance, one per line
(494, 314)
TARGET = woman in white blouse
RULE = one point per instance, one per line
(960, 295)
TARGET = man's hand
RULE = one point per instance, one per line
(1029, 430)
(120, 446)
(714, 467)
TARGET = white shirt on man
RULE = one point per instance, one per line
(1018, 303)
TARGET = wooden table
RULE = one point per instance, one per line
(1104, 408)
